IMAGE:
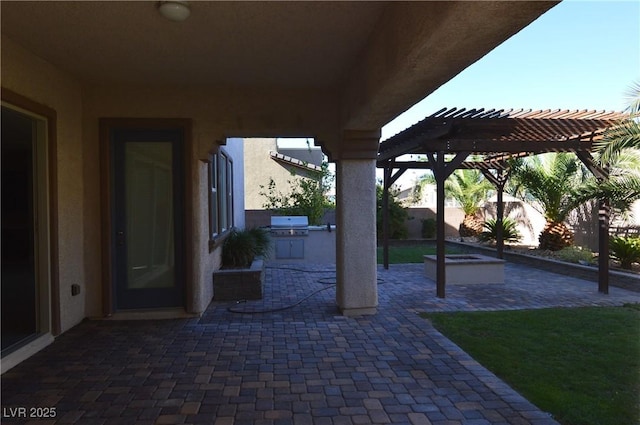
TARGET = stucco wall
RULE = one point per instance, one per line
(43, 83)
(216, 112)
(102, 102)
(259, 167)
(530, 222)
(452, 217)
(203, 271)
(235, 149)
(216, 117)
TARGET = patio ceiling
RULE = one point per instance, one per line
(258, 43)
(497, 135)
(376, 58)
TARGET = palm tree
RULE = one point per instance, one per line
(622, 188)
(470, 189)
(619, 151)
(551, 182)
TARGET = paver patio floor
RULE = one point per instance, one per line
(302, 365)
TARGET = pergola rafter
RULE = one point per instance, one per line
(492, 138)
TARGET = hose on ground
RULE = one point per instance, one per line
(322, 280)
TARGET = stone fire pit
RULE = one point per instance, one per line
(467, 269)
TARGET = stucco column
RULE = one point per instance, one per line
(357, 289)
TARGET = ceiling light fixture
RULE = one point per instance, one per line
(174, 10)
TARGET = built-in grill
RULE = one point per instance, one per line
(295, 225)
(289, 234)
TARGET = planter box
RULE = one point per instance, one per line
(239, 284)
(467, 269)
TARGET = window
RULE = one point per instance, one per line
(213, 197)
(223, 182)
(229, 195)
(220, 194)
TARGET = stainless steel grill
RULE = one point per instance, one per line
(297, 225)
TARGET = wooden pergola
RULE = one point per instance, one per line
(450, 136)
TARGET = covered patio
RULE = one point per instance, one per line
(301, 365)
(487, 140)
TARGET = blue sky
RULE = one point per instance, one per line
(579, 55)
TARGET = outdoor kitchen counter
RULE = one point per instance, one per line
(319, 246)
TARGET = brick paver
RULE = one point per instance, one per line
(302, 365)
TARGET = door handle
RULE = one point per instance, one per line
(120, 239)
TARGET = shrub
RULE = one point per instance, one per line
(428, 228)
(575, 254)
(242, 246)
(510, 231)
(397, 215)
(307, 196)
(262, 239)
(625, 249)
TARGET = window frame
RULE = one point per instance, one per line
(213, 197)
(220, 199)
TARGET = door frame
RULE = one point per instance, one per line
(106, 187)
(19, 101)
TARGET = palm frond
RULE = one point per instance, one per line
(551, 180)
(633, 98)
(625, 135)
(469, 188)
(621, 190)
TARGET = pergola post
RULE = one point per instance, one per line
(603, 222)
(603, 246)
(498, 180)
(385, 216)
(441, 171)
(438, 172)
(388, 179)
(500, 224)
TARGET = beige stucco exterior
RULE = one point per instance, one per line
(259, 167)
(38, 80)
(235, 69)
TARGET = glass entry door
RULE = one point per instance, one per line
(148, 218)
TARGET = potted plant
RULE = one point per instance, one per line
(241, 276)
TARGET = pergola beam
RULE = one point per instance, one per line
(498, 135)
(506, 146)
(425, 165)
(416, 140)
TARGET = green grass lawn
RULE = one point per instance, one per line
(409, 254)
(582, 365)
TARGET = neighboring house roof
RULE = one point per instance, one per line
(311, 155)
(294, 161)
